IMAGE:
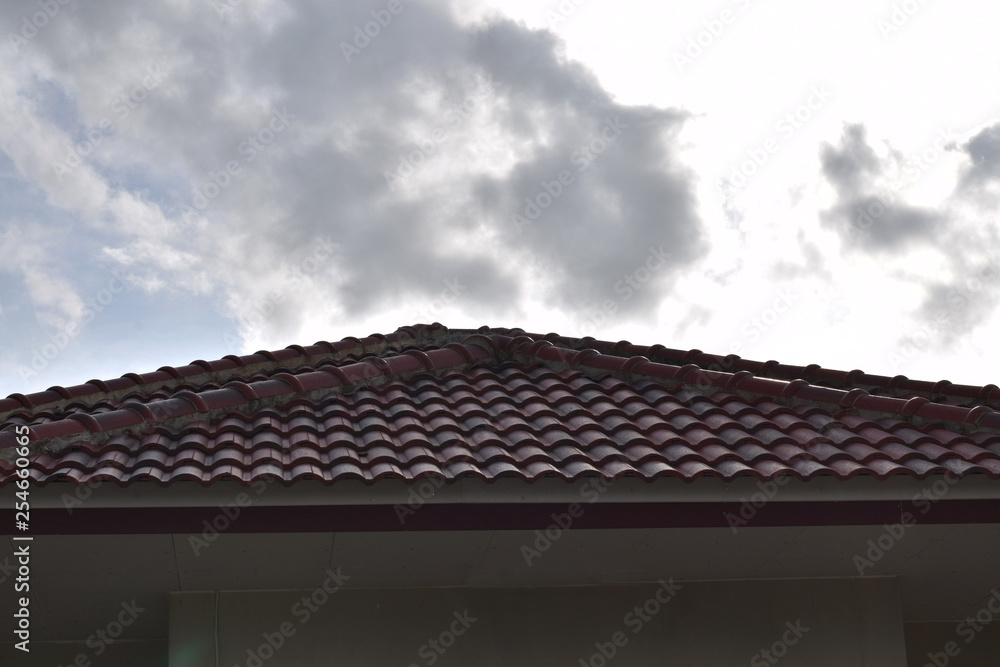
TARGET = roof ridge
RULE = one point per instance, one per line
(526, 348)
(796, 391)
(275, 390)
(219, 369)
(234, 365)
(732, 363)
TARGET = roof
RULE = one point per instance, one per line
(427, 401)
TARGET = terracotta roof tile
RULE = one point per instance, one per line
(428, 401)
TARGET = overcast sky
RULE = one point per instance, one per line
(811, 182)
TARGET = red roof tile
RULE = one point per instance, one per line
(428, 401)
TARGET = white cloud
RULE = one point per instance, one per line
(239, 139)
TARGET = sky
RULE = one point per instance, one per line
(810, 182)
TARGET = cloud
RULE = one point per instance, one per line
(950, 242)
(955, 307)
(979, 182)
(24, 254)
(409, 143)
(984, 152)
(697, 315)
(600, 197)
(868, 213)
(812, 263)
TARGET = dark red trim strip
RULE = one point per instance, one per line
(308, 519)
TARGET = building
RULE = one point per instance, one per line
(494, 497)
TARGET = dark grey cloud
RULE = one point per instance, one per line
(868, 213)
(852, 165)
(811, 262)
(955, 307)
(697, 315)
(364, 108)
(602, 207)
(983, 150)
